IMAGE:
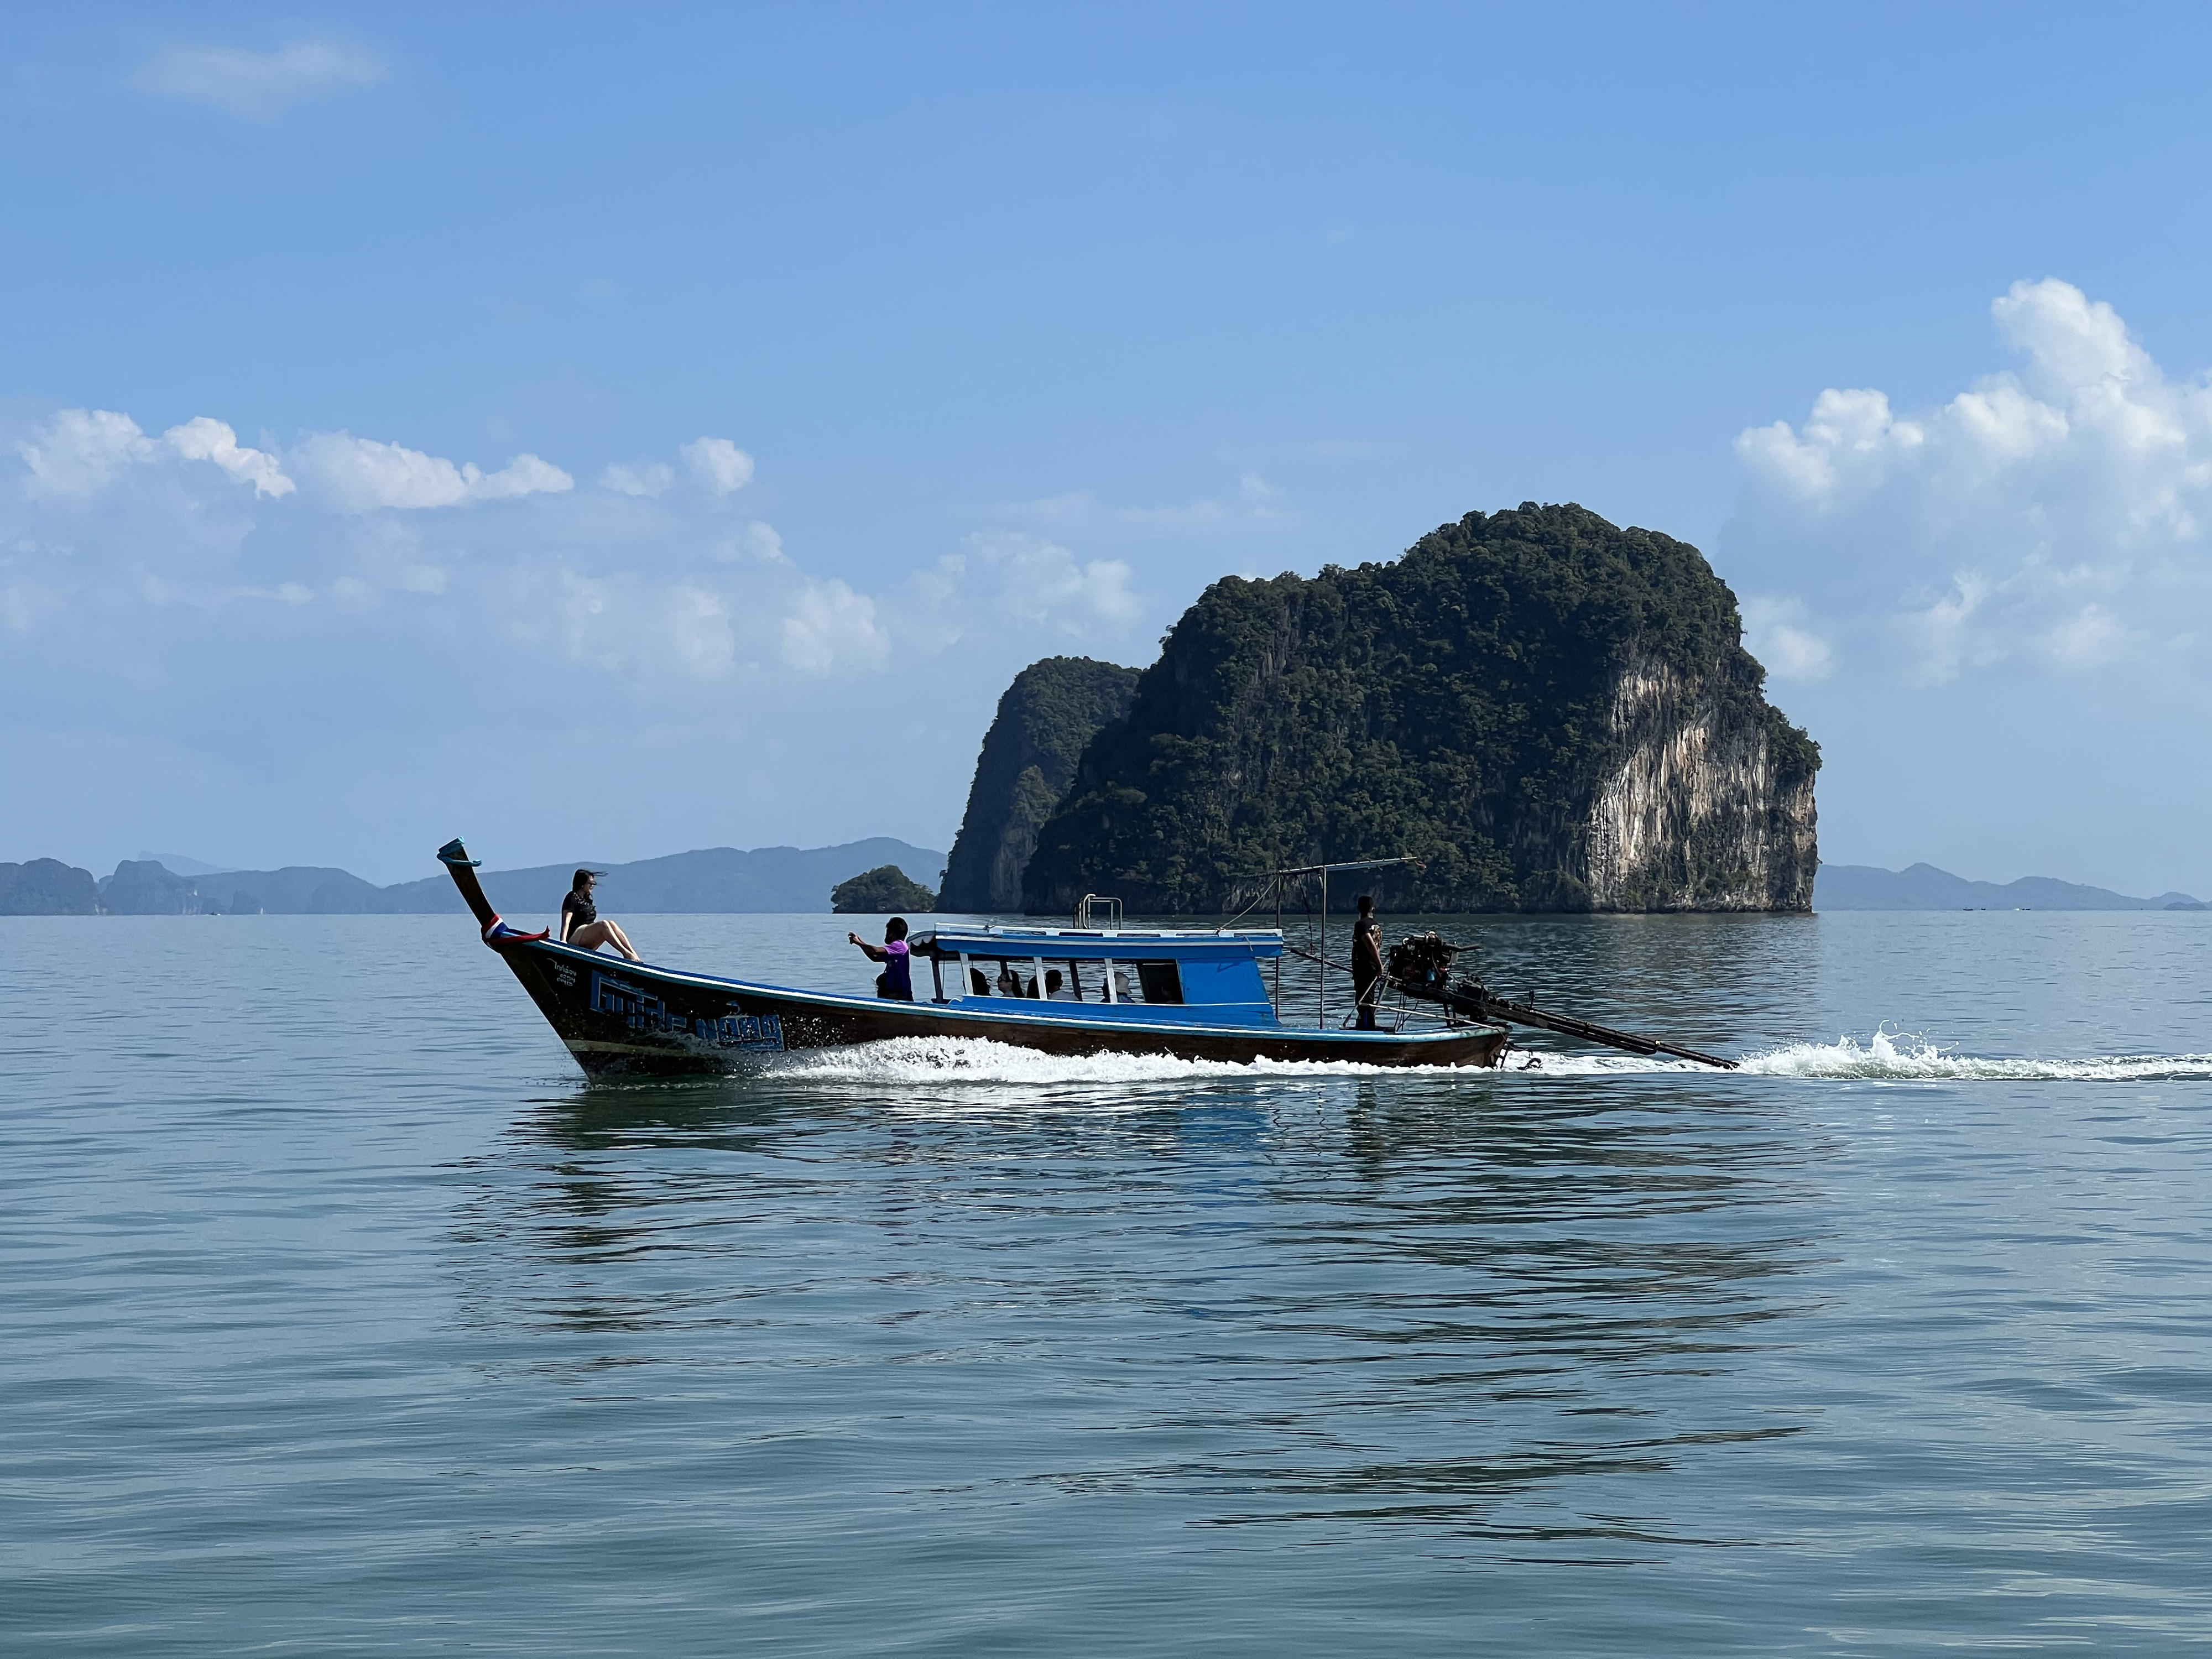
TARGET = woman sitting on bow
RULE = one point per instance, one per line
(580, 920)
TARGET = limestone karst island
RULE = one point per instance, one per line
(1551, 713)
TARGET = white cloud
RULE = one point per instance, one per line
(1029, 581)
(1013, 585)
(716, 464)
(358, 475)
(1257, 494)
(26, 605)
(831, 627)
(684, 597)
(392, 555)
(1774, 632)
(2038, 516)
(259, 86)
(2093, 638)
(149, 597)
(1851, 436)
(201, 439)
(701, 631)
(525, 475)
(1943, 632)
(757, 543)
(642, 478)
(719, 465)
(28, 597)
(75, 454)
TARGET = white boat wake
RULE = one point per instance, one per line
(1886, 1057)
(938, 1061)
(1914, 1058)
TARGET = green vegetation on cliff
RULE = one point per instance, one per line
(1544, 707)
(1047, 716)
(883, 891)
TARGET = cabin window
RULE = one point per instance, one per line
(1069, 981)
(1162, 981)
(1002, 977)
(1147, 982)
(1063, 979)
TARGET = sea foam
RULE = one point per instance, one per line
(1912, 1058)
(939, 1061)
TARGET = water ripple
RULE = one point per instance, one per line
(343, 1316)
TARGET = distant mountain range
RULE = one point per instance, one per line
(178, 863)
(1923, 887)
(715, 880)
(723, 879)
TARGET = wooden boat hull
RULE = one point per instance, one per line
(627, 1017)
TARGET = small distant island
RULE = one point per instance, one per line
(883, 891)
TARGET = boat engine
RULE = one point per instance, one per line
(1421, 963)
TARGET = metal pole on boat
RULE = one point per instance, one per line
(1320, 953)
(1278, 934)
(1324, 947)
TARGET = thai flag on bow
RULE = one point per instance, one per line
(497, 932)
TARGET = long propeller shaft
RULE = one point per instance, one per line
(1470, 998)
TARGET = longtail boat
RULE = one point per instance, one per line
(1080, 990)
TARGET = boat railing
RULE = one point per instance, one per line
(1091, 905)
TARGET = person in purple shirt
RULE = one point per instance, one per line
(896, 980)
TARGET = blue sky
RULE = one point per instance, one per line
(605, 432)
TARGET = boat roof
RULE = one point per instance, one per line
(1128, 943)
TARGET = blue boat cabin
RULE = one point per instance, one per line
(1138, 975)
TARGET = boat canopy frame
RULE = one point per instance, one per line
(1277, 882)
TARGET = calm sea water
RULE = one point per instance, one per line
(337, 1315)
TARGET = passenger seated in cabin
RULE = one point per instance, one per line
(1055, 987)
(896, 982)
(982, 985)
(1010, 982)
(580, 920)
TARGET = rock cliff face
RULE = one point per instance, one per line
(1552, 712)
(1047, 716)
(47, 887)
(1697, 814)
(144, 888)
